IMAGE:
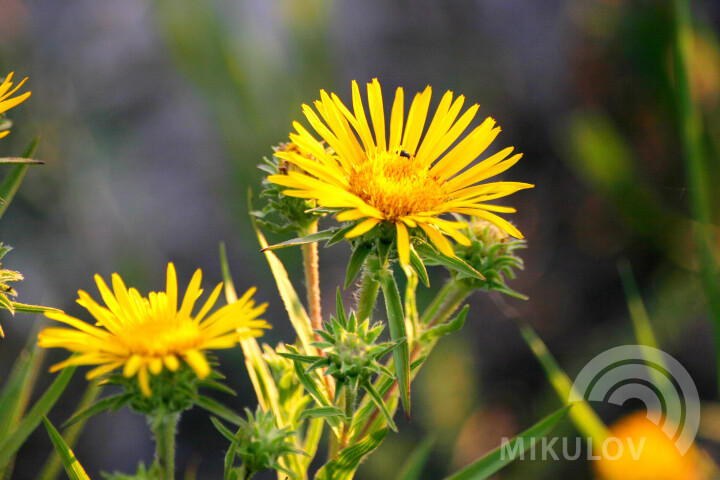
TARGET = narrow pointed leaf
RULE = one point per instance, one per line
(18, 388)
(339, 235)
(218, 409)
(414, 466)
(312, 238)
(10, 445)
(453, 263)
(446, 328)
(25, 308)
(321, 412)
(19, 160)
(396, 320)
(502, 456)
(14, 177)
(113, 403)
(224, 431)
(381, 405)
(357, 259)
(343, 466)
(73, 468)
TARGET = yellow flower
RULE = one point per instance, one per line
(406, 180)
(6, 103)
(645, 452)
(145, 335)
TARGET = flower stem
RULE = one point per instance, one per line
(311, 266)
(164, 426)
(369, 287)
(447, 300)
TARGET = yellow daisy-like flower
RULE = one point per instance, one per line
(6, 103)
(144, 335)
(406, 179)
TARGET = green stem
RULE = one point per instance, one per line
(447, 300)
(368, 289)
(164, 426)
(696, 165)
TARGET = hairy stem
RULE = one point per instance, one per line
(164, 426)
(311, 266)
(447, 300)
(369, 287)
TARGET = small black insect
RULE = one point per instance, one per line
(404, 153)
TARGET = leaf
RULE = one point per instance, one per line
(415, 463)
(218, 409)
(500, 457)
(339, 235)
(25, 308)
(312, 238)
(377, 399)
(321, 412)
(446, 328)
(453, 263)
(298, 316)
(10, 446)
(319, 397)
(19, 160)
(359, 255)
(113, 404)
(396, 320)
(17, 390)
(223, 429)
(343, 466)
(419, 267)
(12, 180)
(582, 415)
(73, 468)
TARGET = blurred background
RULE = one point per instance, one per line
(154, 114)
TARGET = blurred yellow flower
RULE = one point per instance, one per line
(400, 180)
(647, 453)
(145, 335)
(6, 103)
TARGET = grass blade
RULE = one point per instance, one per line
(73, 468)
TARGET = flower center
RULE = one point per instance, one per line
(156, 329)
(397, 185)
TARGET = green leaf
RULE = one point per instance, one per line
(298, 316)
(312, 388)
(582, 415)
(73, 468)
(343, 466)
(453, 263)
(377, 399)
(113, 404)
(218, 409)
(312, 238)
(446, 328)
(415, 464)
(321, 412)
(503, 455)
(25, 308)
(9, 446)
(19, 160)
(396, 320)
(339, 235)
(17, 390)
(12, 180)
(223, 429)
(357, 260)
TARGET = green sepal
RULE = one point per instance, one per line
(312, 238)
(344, 465)
(497, 459)
(357, 260)
(73, 468)
(446, 328)
(417, 264)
